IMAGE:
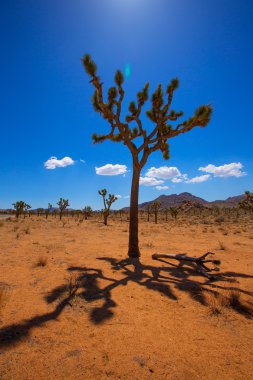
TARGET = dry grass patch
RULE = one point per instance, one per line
(42, 261)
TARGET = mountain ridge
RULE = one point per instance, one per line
(175, 200)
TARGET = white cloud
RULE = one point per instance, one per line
(53, 162)
(110, 169)
(201, 178)
(82, 161)
(227, 170)
(183, 177)
(127, 197)
(118, 196)
(146, 181)
(162, 187)
(165, 172)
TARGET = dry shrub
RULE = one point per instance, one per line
(15, 228)
(214, 303)
(225, 233)
(27, 230)
(1, 224)
(3, 299)
(17, 236)
(42, 261)
(149, 245)
(72, 285)
(218, 302)
(220, 219)
(222, 246)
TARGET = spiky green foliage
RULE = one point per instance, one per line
(89, 65)
(174, 212)
(119, 78)
(160, 114)
(107, 203)
(21, 207)
(63, 204)
(87, 211)
(247, 202)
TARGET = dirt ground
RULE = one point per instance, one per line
(71, 307)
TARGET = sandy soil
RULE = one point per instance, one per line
(88, 314)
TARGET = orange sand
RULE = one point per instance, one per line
(88, 315)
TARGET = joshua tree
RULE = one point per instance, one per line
(63, 204)
(107, 203)
(166, 214)
(87, 211)
(21, 207)
(148, 211)
(247, 202)
(174, 212)
(40, 211)
(155, 208)
(47, 211)
(149, 141)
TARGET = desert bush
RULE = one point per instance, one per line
(222, 246)
(27, 230)
(219, 219)
(1, 224)
(72, 285)
(42, 261)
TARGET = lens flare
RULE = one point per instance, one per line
(127, 71)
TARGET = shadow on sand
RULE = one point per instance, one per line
(162, 279)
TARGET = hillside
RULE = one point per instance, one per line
(175, 200)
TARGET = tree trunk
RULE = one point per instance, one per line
(133, 247)
(105, 218)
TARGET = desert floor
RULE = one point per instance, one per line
(72, 308)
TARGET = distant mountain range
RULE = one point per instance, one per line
(175, 200)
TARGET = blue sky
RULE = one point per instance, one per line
(45, 108)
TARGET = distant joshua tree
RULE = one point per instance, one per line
(148, 211)
(160, 114)
(40, 211)
(27, 207)
(21, 208)
(63, 204)
(174, 212)
(47, 211)
(155, 206)
(87, 211)
(107, 203)
(247, 202)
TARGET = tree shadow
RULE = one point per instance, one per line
(161, 279)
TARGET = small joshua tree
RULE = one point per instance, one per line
(155, 208)
(21, 207)
(107, 203)
(40, 211)
(247, 202)
(48, 209)
(174, 212)
(160, 114)
(27, 207)
(148, 211)
(87, 211)
(63, 204)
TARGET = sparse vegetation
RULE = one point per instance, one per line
(63, 204)
(107, 204)
(42, 261)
